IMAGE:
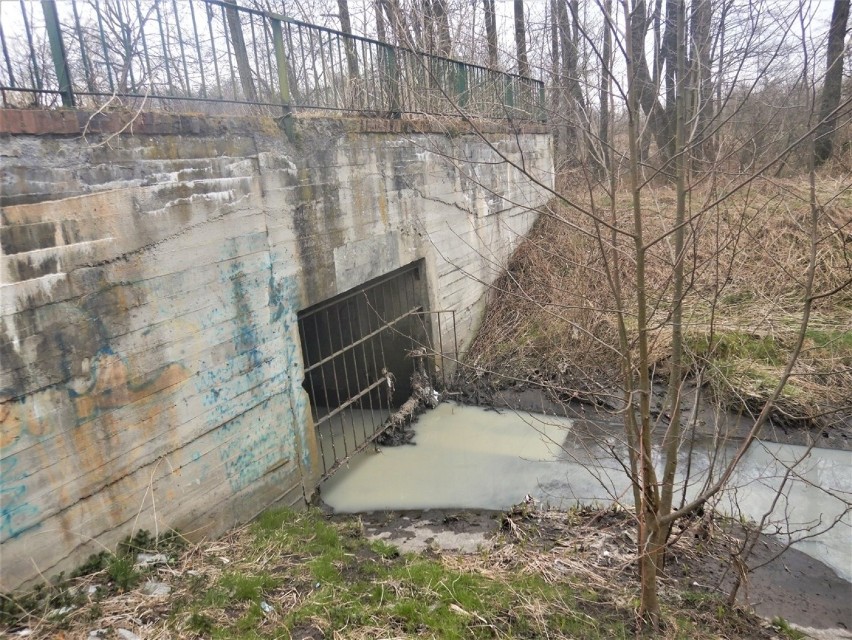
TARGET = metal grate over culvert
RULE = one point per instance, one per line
(360, 350)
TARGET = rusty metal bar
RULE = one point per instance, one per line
(325, 392)
(351, 359)
(345, 376)
(348, 403)
(355, 365)
(359, 341)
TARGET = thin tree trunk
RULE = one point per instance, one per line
(348, 45)
(671, 440)
(701, 78)
(831, 88)
(442, 24)
(648, 488)
(606, 85)
(381, 32)
(240, 52)
(521, 39)
(491, 33)
(398, 23)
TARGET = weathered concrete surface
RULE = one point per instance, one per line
(150, 368)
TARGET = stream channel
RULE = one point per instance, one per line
(476, 458)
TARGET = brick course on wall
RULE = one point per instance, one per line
(150, 368)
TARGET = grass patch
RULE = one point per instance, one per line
(299, 575)
(106, 572)
(786, 630)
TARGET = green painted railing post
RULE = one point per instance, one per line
(57, 52)
(509, 95)
(542, 113)
(462, 83)
(283, 76)
(392, 78)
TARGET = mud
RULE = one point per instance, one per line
(794, 586)
(602, 409)
(460, 476)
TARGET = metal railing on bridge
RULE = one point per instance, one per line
(177, 55)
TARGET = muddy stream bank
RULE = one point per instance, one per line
(473, 458)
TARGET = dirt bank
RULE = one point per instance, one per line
(552, 322)
(794, 586)
(709, 420)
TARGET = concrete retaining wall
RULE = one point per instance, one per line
(150, 368)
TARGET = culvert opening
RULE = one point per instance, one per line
(357, 349)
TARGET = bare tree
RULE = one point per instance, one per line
(832, 84)
(521, 39)
(491, 34)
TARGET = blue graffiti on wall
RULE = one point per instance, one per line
(16, 514)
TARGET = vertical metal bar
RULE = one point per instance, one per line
(316, 421)
(366, 364)
(358, 377)
(267, 47)
(315, 408)
(462, 85)
(362, 93)
(254, 46)
(393, 84)
(251, 18)
(210, 16)
(337, 388)
(36, 76)
(57, 52)
(166, 55)
(343, 356)
(325, 390)
(234, 22)
(441, 345)
(382, 358)
(144, 43)
(385, 307)
(87, 67)
(228, 51)
(383, 412)
(455, 339)
(349, 351)
(325, 74)
(510, 94)
(305, 97)
(341, 84)
(104, 46)
(283, 77)
(6, 57)
(198, 50)
(376, 368)
(182, 51)
(375, 92)
(313, 66)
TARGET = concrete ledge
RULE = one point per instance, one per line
(75, 122)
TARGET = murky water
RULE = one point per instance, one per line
(468, 457)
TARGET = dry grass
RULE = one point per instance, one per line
(289, 575)
(552, 316)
